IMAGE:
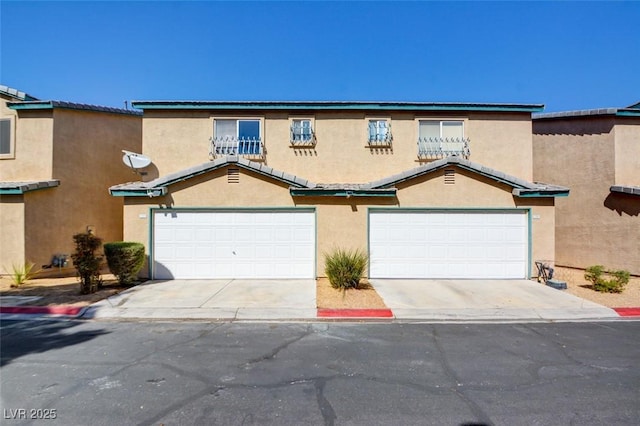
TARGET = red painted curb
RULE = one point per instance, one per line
(51, 310)
(354, 313)
(628, 312)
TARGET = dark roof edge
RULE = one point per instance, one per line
(337, 105)
(44, 105)
(614, 112)
(17, 188)
(625, 189)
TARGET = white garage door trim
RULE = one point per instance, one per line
(233, 243)
(449, 243)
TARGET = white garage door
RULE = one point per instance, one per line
(448, 244)
(233, 244)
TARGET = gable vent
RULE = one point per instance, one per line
(449, 177)
(233, 175)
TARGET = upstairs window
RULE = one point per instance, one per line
(441, 129)
(6, 145)
(237, 137)
(379, 131)
(301, 131)
(442, 138)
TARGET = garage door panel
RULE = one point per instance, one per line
(234, 244)
(482, 244)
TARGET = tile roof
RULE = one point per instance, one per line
(38, 105)
(337, 105)
(15, 93)
(26, 186)
(156, 187)
(186, 174)
(625, 189)
(633, 110)
(521, 187)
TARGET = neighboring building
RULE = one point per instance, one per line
(597, 154)
(57, 161)
(265, 189)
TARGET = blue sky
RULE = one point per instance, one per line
(566, 55)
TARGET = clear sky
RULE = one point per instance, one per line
(566, 55)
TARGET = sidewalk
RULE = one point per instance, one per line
(294, 300)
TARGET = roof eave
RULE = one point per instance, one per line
(334, 105)
(347, 193)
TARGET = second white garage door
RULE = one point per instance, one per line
(233, 244)
(449, 244)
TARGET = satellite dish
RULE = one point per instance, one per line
(135, 161)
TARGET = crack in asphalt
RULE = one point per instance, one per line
(455, 388)
(272, 354)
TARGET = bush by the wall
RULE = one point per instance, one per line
(606, 281)
(87, 262)
(344, 268)
(125, 259)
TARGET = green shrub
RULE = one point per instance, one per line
(21, 273)
(345, 267)
(606, 281)
(86, 262)
(125, 259)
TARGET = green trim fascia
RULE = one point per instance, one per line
(542, 194)
(295, 192)
(380, 106)
(530, 240)
(31, 105)
(150, 231)
(628, 113)
(150, 192)
(20, 191)
(11, 191)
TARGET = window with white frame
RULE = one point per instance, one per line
(379, 131)
(442, 138)
(6, 144)
(301, 131)
(237, 137)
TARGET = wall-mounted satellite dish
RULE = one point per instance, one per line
(135, 161)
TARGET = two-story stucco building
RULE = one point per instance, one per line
(57, 161)
(597, 154)
(265, 189)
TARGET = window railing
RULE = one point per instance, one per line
(246, 147)
(302, 136)
(434, 148)
(380, 138)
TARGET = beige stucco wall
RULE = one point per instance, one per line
(593, 225)
(342, 222)
(33, 148)
(81, 149)
(627, 151)
(176, 140)
(11, 232)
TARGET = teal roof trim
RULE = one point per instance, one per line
(335, 105)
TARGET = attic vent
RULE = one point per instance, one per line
(449, 177)
(233, 175)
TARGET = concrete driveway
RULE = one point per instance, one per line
(212, 299)
(411, 300)
(484, 300)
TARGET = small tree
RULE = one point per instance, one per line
(125, 259)
(86, 262)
